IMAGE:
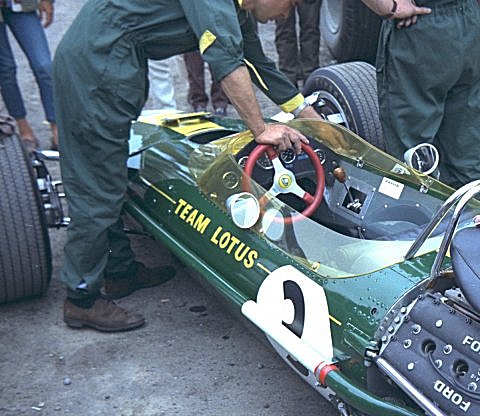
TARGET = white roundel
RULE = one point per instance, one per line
(299, 304)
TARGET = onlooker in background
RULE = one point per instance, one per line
(197, 97)
(162, 93)
(429, 83)
(24, 19)
(298, 55)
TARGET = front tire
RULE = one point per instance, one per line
(349, 90)
(25, 256)
(350, 30)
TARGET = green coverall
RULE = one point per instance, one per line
(100, 81)
(429, 86)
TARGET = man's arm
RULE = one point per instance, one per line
(405, 10)
(239, 89)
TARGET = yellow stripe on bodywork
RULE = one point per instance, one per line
(206, 40)
(293, 103)
(260, 80)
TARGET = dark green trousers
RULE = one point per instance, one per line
(429, 86)
(97, 94)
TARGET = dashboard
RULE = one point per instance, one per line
(356, 202)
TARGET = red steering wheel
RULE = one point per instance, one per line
(284, 180)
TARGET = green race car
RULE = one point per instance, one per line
(362, 272)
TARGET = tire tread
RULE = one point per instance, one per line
(25, 258)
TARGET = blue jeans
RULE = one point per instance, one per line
(30, 35)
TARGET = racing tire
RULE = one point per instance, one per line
(349, 89)
(25, 254)
(350, 30)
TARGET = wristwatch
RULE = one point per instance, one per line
(300, 108)
(392, 12)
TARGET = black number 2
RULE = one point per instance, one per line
(293, 292)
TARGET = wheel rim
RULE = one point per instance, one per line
(332, 106)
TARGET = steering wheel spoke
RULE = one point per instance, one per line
(297, 190)
(271, 193)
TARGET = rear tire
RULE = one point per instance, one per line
(25, 255)
(351, 90)
(350, 30)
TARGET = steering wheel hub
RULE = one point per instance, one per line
(285, 181)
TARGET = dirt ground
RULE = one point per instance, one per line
(194, 357)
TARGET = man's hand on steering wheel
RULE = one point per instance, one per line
(281, 137)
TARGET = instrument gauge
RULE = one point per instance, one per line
(264, 162)
(230, 180)
(321, 155)
(242, 161)
(288, 156)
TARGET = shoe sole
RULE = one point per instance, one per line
(77, 324)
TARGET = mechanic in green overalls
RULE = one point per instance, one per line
(429, 85)
(100, 81)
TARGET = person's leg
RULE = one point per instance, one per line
(30, 35)
(94, 125)
(124, 276)
(287, 47)
(161, 85)
(411, 91)
(309, 16)
(9, 87)
(195, 66)
(94, 120)
(459, 133)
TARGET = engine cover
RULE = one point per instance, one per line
(435, 344)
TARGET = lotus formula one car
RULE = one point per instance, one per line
(362, 272)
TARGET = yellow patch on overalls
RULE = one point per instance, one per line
(206, 40)
(293, 103)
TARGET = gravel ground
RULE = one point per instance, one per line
(194, 357)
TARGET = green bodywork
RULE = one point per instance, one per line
(178, 189)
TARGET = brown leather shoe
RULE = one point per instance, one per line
(143, 278)
(104, 315)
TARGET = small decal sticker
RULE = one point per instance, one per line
(391, 188)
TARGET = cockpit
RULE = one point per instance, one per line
(371, 209)
(341, 207)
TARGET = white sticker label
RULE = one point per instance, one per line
(391, 188)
